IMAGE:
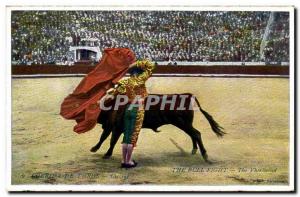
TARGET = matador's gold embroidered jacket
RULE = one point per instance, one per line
(135, 85)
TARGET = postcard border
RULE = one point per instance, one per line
(158, 188)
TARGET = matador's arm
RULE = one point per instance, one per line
(148, 68)
(132, 82)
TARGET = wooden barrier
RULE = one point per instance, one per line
(80, 69)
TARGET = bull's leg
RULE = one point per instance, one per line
(187, 131)
(116, 133)
(103, 137)
(195, 147)
(197, 136)
(194, 134)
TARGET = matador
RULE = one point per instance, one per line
(135, 89)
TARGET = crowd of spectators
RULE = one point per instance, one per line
(44, 37)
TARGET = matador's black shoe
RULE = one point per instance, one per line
(131, 165)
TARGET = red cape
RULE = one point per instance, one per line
(82, 105)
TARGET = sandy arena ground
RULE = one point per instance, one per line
(254, 112)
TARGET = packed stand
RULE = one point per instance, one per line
(44, 37)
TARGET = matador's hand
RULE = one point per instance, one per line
(133, 64)
(111, 90)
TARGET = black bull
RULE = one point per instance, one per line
(112, 121)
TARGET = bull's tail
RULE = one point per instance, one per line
(217, 129)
